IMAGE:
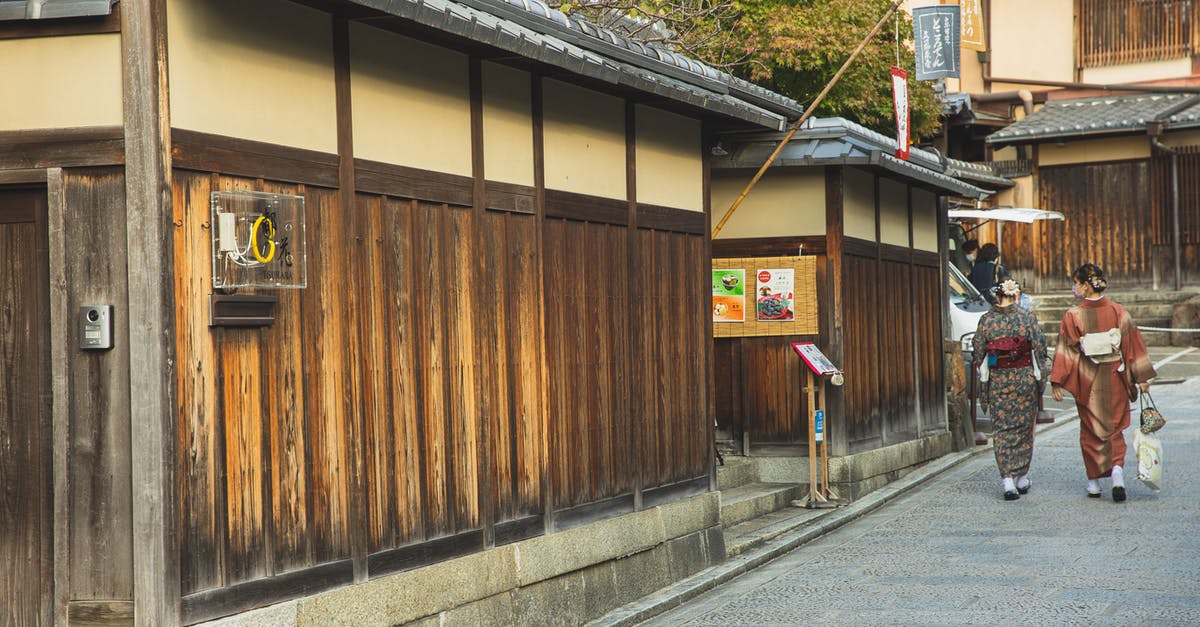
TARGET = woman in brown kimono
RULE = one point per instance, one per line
(1011, 341)
(1103, 383)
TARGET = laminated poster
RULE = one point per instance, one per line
(729, 295)
(774, 294)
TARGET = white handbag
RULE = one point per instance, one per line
(1150, 459)
(1103, 347)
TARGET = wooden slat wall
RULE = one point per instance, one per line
(1107, 208)
(893, 352)
(670, 410)
(25, 420)
(1162, 220)
(396, 371)
(587, 290)
(1115, 32)
(861, 311)
(758, 388)
(100, 495)
(927, 308)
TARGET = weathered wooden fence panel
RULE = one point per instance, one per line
(1108, 208)
(25, 520)
(415, 392)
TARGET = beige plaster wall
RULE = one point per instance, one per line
(781, 204)
(1182, 138)
(859, 204)
(61, 82)
(1005, 153)
(1094, 150)
(1033, 39)
(925, 220)
(893, 212)
(670, 167)
(254, 70)
(585, 140)
(507, 125)
(411, 102)
(1135, 72)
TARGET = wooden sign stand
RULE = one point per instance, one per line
(820, 493)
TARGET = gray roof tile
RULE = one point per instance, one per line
(532, 29)
(837, 141)
(1100, 116)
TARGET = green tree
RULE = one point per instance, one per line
(789, 46)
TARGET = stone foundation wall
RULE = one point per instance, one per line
(562, 578)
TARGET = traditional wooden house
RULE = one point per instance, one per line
(1085, 105)
(371, 310)
(876, 226)
(1125, 170)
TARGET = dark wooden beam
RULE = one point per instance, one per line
(768, 246)
(151, 312)
(832, 316)
(573, 206)
(483, 440)
(405, 182)
(66, 147)
(634, 262)
(57, 216)
(243, 597)
(355, 428)
(662, 218)
(205, 152)
(537, 112)
(710, 425)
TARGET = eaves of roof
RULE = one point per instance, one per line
(977, 173)
(533, 30)
(836, 141)
(52, 9)
(1090, 117)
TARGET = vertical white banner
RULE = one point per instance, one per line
(900, 96)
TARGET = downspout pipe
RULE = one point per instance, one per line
(1175, 243)
(1024, 95)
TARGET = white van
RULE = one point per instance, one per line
(966, 307)
(966, 304)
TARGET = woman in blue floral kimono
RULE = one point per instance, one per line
(1010, 341)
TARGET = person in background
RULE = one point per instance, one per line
(1101, 376)
(984, 271)
(970, 250)
(1011, 342)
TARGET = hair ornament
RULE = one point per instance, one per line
(1009, 287)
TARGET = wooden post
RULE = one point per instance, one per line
(811, 397)
(152, 393)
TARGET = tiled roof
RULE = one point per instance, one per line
(50, 9)
(837, 141)
(531, 29)
(1101, 116)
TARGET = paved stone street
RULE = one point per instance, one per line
(954, 552)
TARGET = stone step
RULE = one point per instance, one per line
(736, 472)
(1149, 308)
(757, 499)
(756, 532)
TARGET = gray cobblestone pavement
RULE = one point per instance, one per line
(951, 551)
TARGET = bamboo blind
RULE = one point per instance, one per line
(804, 304)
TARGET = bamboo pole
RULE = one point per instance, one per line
(807, 114)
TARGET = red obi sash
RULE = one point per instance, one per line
(1010, 352)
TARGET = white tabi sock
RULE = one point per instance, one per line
(1118, 477)
(1008, 485)
(1023, 482)
(1093, 486)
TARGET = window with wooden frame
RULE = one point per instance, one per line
(1115, 32)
